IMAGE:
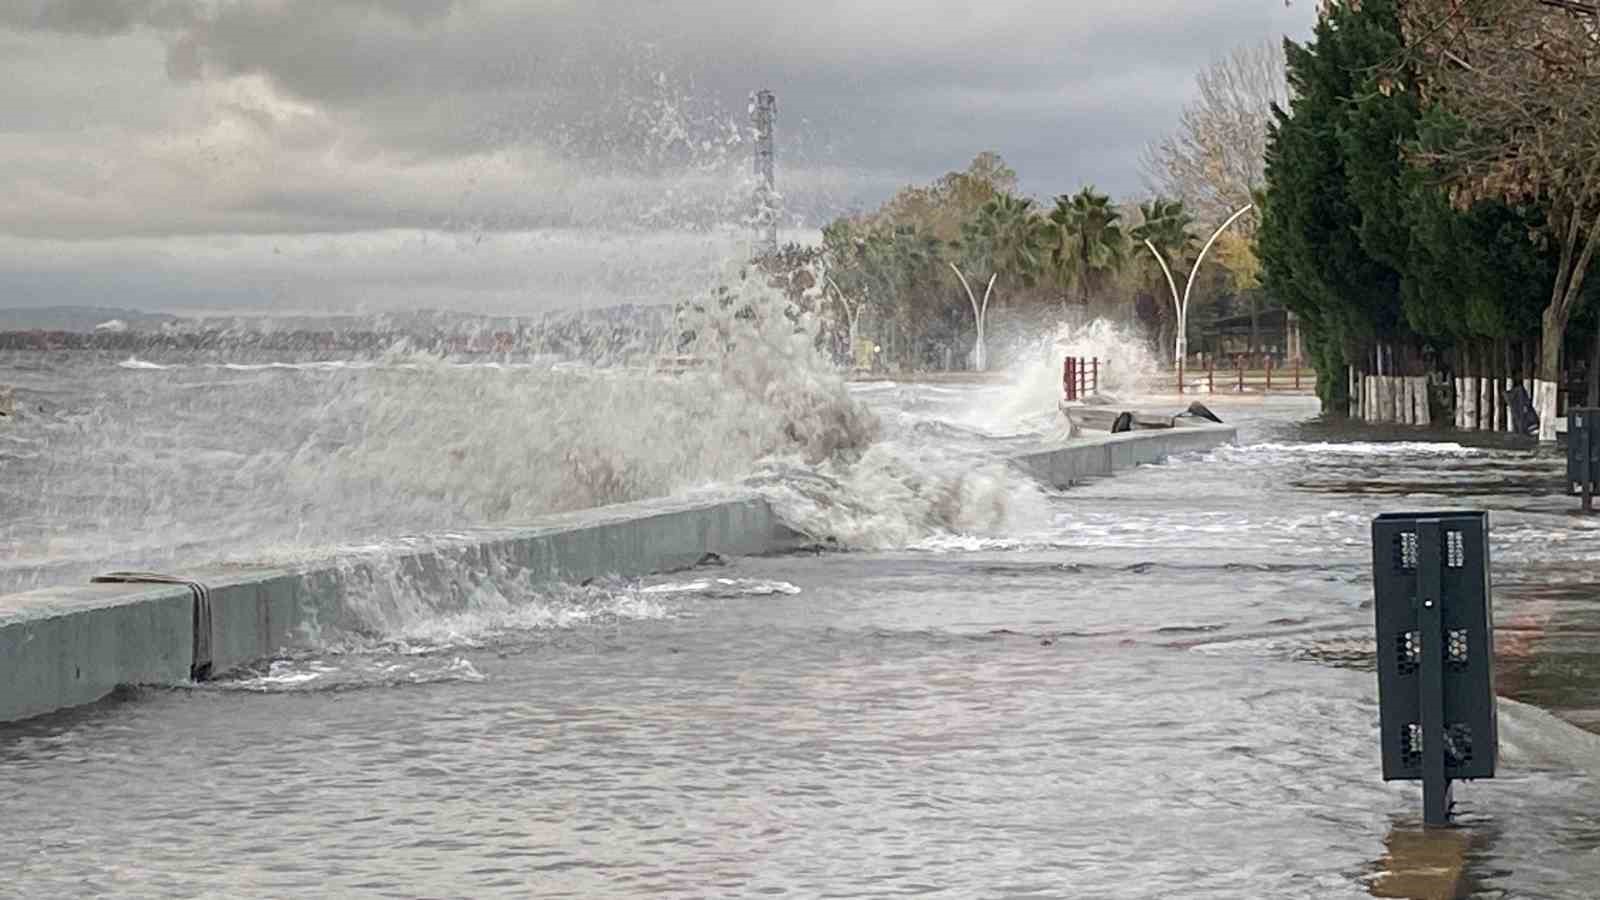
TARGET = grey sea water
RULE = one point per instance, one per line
(1153, 685)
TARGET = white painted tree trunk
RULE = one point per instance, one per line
(1424, 416)
(1355, 393)
(1544, 402)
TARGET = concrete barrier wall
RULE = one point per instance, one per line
(1066, 465)
(71, 645)
(67, 646)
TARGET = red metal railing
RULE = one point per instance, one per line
(1080, 377)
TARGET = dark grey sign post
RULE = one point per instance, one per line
(1431, 599)
(1583, 453)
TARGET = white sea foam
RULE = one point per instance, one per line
(137, 364)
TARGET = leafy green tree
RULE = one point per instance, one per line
(1006, 242)
(1088, 240)
(1168, 226)
(1010, 238)
(1515, 117)
(1310, 241)
(1165, 234)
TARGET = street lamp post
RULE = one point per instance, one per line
(980, 354)
(851, 314)
(1180, 305)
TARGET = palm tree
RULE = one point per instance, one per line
(1006, 240)
(1014, 237)
(1089, 243)
(1165, 232)
(1166, 225)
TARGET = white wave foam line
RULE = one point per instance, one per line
(1354, 448)
(343, 671)
(322, 366)
(137, 364)
(723, 587)
(1186, 530)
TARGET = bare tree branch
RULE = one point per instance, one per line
(1215, 161)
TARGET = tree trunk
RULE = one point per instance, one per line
(1594, 369)
(1554, 327)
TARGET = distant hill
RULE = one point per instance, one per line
(81, 319)
(86, 319)
(607, 334)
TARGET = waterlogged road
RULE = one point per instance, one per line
(1161, 688)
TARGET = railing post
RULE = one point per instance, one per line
(1238, 363)
(1095, 365)
(1269, 375)
(1211, 374)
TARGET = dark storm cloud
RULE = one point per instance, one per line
(909, 86)
(96, 17)
(149, 119)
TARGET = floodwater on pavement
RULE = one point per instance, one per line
(1162, 687)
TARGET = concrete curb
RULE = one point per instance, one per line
(71, 645)
(66, 646)
(1102, 455)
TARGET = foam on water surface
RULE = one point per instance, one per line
(162, 465)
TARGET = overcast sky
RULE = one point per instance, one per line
(513, 155)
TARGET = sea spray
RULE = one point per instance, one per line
(245, 461)
(185, 464)
(1124, 365)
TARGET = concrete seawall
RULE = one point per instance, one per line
(1106, 453)
(70, 645)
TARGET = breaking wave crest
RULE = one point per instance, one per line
(181, 464)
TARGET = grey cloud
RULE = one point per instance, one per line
(488, 117)
(97, 17)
